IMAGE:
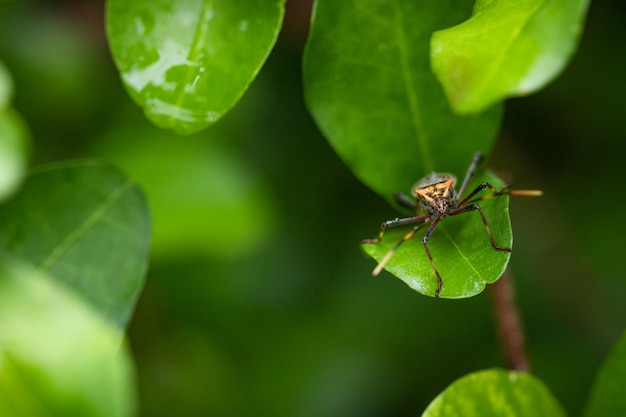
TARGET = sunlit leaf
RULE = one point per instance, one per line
(186, 62)
(495, 393)
(506, 49)
(607, 395)
(86, 225)
(370, 88)
(460, 247)
(58, 358)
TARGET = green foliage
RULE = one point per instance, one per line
(58, 358)
(505, 49)
(86, 225)
(369, 86)
(224, 326)
(607, 395)
(460, 248)
(495, 393)
(187, 62)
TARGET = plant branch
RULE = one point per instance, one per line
(509, 323)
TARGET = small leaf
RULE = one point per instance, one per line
(14, 144)
(460, 248)
(607, 394)
(57, 357)
(505, 49)
(369, 86)
(495, 393)
(86, 225)
(186, 62)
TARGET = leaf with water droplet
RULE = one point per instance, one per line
(188, 62)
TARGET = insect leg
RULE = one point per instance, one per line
(473, 207)
(482, 186)
(395, 247)
(478, 158)
(430, 257)
(405, 200)
(394, 223)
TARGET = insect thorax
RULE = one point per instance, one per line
(435, 192)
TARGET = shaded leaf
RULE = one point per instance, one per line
(186, 62)
(86, 225)
(204, 199)
(495, 393)
(369, 86)
(459, 245)
(506, 49)
(607, 394)
(58, 358)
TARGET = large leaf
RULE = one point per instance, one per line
(506, 49)
(58, 358)
(460, 247)
(186, 62)
(369, 86)
(86, 225)
(495, 393)
(607, 395)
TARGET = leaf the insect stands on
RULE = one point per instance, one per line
(459, 245)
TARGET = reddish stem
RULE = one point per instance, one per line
(509, 323)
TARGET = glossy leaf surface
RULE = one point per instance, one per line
(459, 245)
(86, 225)
(186, 62)
(607, 395)
(369, 85)
(58, 358)
(495, 393)
(506, 49)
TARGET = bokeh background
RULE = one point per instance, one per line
(259, 301)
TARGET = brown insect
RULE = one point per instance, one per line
(435, 196)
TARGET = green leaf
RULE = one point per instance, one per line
(607, 394)
(506, 49)
(187, 62)
(369, 86)
(14, 144)
(193, 186)
(58, 358)
(460, 248)
(495, 393)
(86, 225)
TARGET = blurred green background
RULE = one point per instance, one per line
(258, 300)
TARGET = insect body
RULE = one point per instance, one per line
(435, 196)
